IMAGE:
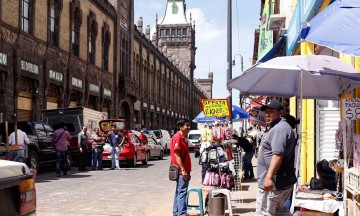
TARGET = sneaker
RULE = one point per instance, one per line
(58, 175)
(112, 168)
(117, 168)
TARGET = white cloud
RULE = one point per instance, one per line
(206, 30)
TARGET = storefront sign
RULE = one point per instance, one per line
(266, 36)
(152, 107)
(351, 108)
(107, 92)
(56, 76)
(3, 59)
(215, 107)
(293, 31)
(163, 110)
(29, 67)
(94, 88)
(137, 105)
(257, 117)
(309, 8)
(158, 109)
(145, 105)
(76, 82)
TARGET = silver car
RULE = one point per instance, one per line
(156, 150)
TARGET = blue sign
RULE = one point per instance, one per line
(293, 31)
(309, 8)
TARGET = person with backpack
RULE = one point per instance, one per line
(59, 139)
(116, 141)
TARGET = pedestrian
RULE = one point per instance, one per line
(180, 156)
(59, 139)
(83, 140)
(143, 137)
(22, 140)
(248, 148)
(97, 149)
(116, 141)
(276, 174)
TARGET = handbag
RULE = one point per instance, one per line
(173, 172)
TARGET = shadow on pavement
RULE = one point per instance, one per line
(243, 210)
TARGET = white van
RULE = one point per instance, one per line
(194, 136)
(163, 137)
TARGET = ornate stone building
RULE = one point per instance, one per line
(163, 69)
(56, 53)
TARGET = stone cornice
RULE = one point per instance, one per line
(106, 8)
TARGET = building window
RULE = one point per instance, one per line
(167, 32)
(75, 24)
(184, 31)
(92, 34)
(173, 32)
(105, 47)
(162, 32)
(54, 21)
(26, 16)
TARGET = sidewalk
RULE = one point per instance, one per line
(245, 206)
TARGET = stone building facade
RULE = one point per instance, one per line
(56, 53)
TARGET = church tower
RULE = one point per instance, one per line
(175, 37)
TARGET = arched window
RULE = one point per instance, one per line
(106, 45)
(27, 16)
(55, 6)
(76, 16)
(92, 34)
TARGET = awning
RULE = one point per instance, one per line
(274, 51)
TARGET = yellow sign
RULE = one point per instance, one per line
(215, 107)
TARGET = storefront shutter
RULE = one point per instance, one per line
(327, 124)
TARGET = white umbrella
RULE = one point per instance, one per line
(321, 77)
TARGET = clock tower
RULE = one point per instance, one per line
(175, 36)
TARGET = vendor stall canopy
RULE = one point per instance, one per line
(304, 76)
(336, 27)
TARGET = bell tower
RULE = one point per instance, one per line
(175, 36)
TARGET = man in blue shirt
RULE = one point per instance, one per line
(116, 140)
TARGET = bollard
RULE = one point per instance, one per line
(217, 205)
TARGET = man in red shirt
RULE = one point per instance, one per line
(180, 155)
(143, 137)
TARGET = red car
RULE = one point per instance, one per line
(133, 150)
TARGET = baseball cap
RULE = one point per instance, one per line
(274, 104)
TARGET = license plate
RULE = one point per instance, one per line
(109, 156)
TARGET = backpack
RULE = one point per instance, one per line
(227, 181)
(211, 179)
(203, 157)
(213, 154)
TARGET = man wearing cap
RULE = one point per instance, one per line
(276, 175)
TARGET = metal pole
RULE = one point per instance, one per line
(229, 53)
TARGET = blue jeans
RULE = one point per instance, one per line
(61, 162)
(115, 157)
(96, 158)
(179, 207)
(248, 168)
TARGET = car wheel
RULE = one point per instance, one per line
(134, 161)
(33, 160)
(147, 156)
(161, 155)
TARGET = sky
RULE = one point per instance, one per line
(211, 35)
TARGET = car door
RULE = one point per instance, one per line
(152, 147)
(158, 147)
(138, 147)
(46, 151)
(49, 131)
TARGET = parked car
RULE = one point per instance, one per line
(17, 189)
(133, 152)
(40, 150)
(156, 150)
(193, 136)
(163, 137)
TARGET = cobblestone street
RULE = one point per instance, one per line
(144, 190)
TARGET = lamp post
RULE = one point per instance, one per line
(229, 53)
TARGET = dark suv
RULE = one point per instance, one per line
(40, 150)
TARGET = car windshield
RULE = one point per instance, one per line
(106, 125)
(157, 134)
(194, 136)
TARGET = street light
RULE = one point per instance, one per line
(241, 61)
